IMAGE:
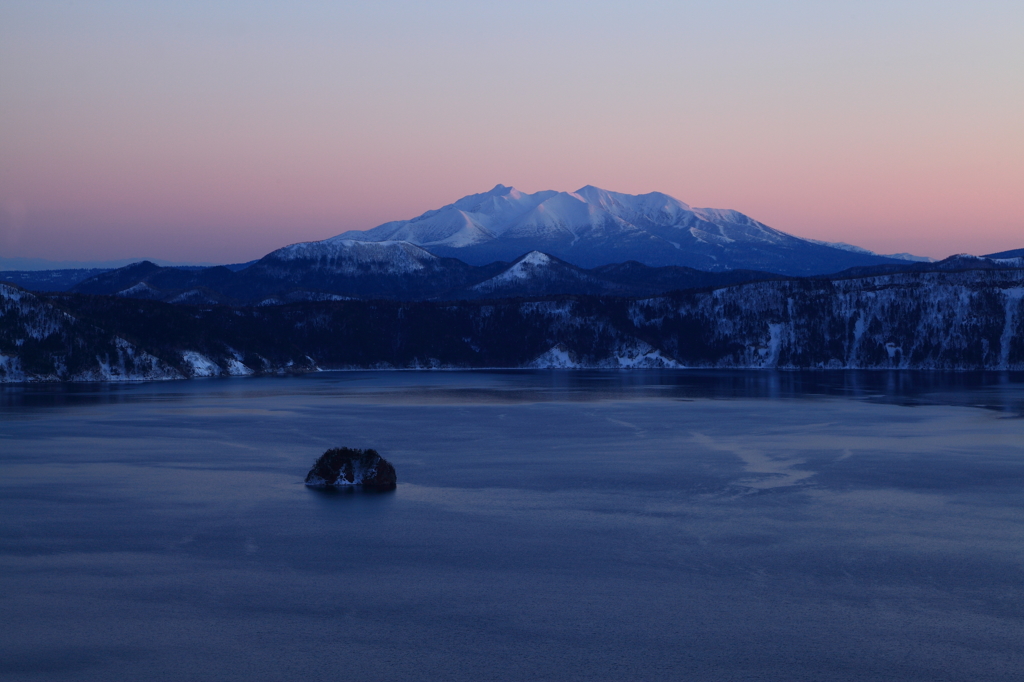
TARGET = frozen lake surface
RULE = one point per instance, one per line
(546, 525)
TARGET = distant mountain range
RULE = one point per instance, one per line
(1002, 255)
(39, 264)
(347, 269)
(506, 243)
(592, 227)
(393, 270)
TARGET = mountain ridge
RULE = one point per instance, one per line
(393, 270)
(592, 227)
(402, 271)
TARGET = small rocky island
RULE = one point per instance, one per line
(348, 467)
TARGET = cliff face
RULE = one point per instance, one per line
(933, 320)
(962, 320)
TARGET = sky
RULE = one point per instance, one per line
(219, 131)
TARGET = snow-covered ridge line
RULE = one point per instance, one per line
(843, 246)
(355, 256)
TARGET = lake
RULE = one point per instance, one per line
(548, 525)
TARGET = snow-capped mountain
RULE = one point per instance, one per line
(592, 227)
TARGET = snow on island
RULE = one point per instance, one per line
(348, 467)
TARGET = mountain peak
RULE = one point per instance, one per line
(535, 258)
(497, 191)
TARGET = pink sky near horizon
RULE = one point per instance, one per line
(189, 134)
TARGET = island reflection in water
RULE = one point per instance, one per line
(546, 525)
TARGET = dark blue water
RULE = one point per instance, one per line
(549, 525)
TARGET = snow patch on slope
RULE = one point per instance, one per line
(9, 293)
(199, 365)
(10, 369)
(842, 246)
(643, 356)
(556, 358)
(128, 364)
(909, 257)
(140, 290)
(529, 266)
(194, 297)
(1014, 297)
(236, 369)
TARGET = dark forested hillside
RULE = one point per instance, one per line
(930, 320)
